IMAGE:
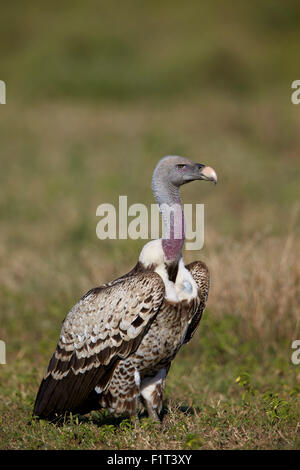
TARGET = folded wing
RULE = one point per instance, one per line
(106, 325)
(200, 274)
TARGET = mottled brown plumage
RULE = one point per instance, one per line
(117, 343)
(173, 325)
(104, 326)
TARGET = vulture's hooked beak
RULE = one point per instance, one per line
(208, 174)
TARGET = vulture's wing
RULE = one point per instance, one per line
(200, 274)
(106, 324)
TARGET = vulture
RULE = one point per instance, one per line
(118, 341)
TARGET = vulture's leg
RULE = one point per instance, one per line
(152, 392)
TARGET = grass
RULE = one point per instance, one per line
(91, 106)
(234, 397)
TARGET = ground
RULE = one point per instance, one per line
(93, 102)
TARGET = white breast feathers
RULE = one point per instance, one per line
(184, 288)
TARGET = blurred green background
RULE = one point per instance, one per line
(97, 93)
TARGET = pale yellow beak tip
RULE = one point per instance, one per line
(209, 174)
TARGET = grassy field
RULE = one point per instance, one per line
(97, 93)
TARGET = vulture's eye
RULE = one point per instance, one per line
(181, 166)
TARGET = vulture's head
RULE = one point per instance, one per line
(176, 171)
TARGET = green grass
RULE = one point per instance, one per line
(96, 94)
(219, 395)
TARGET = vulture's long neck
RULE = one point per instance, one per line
(168, 198)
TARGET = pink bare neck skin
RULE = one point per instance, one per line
(168, 198)
(173, 239)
